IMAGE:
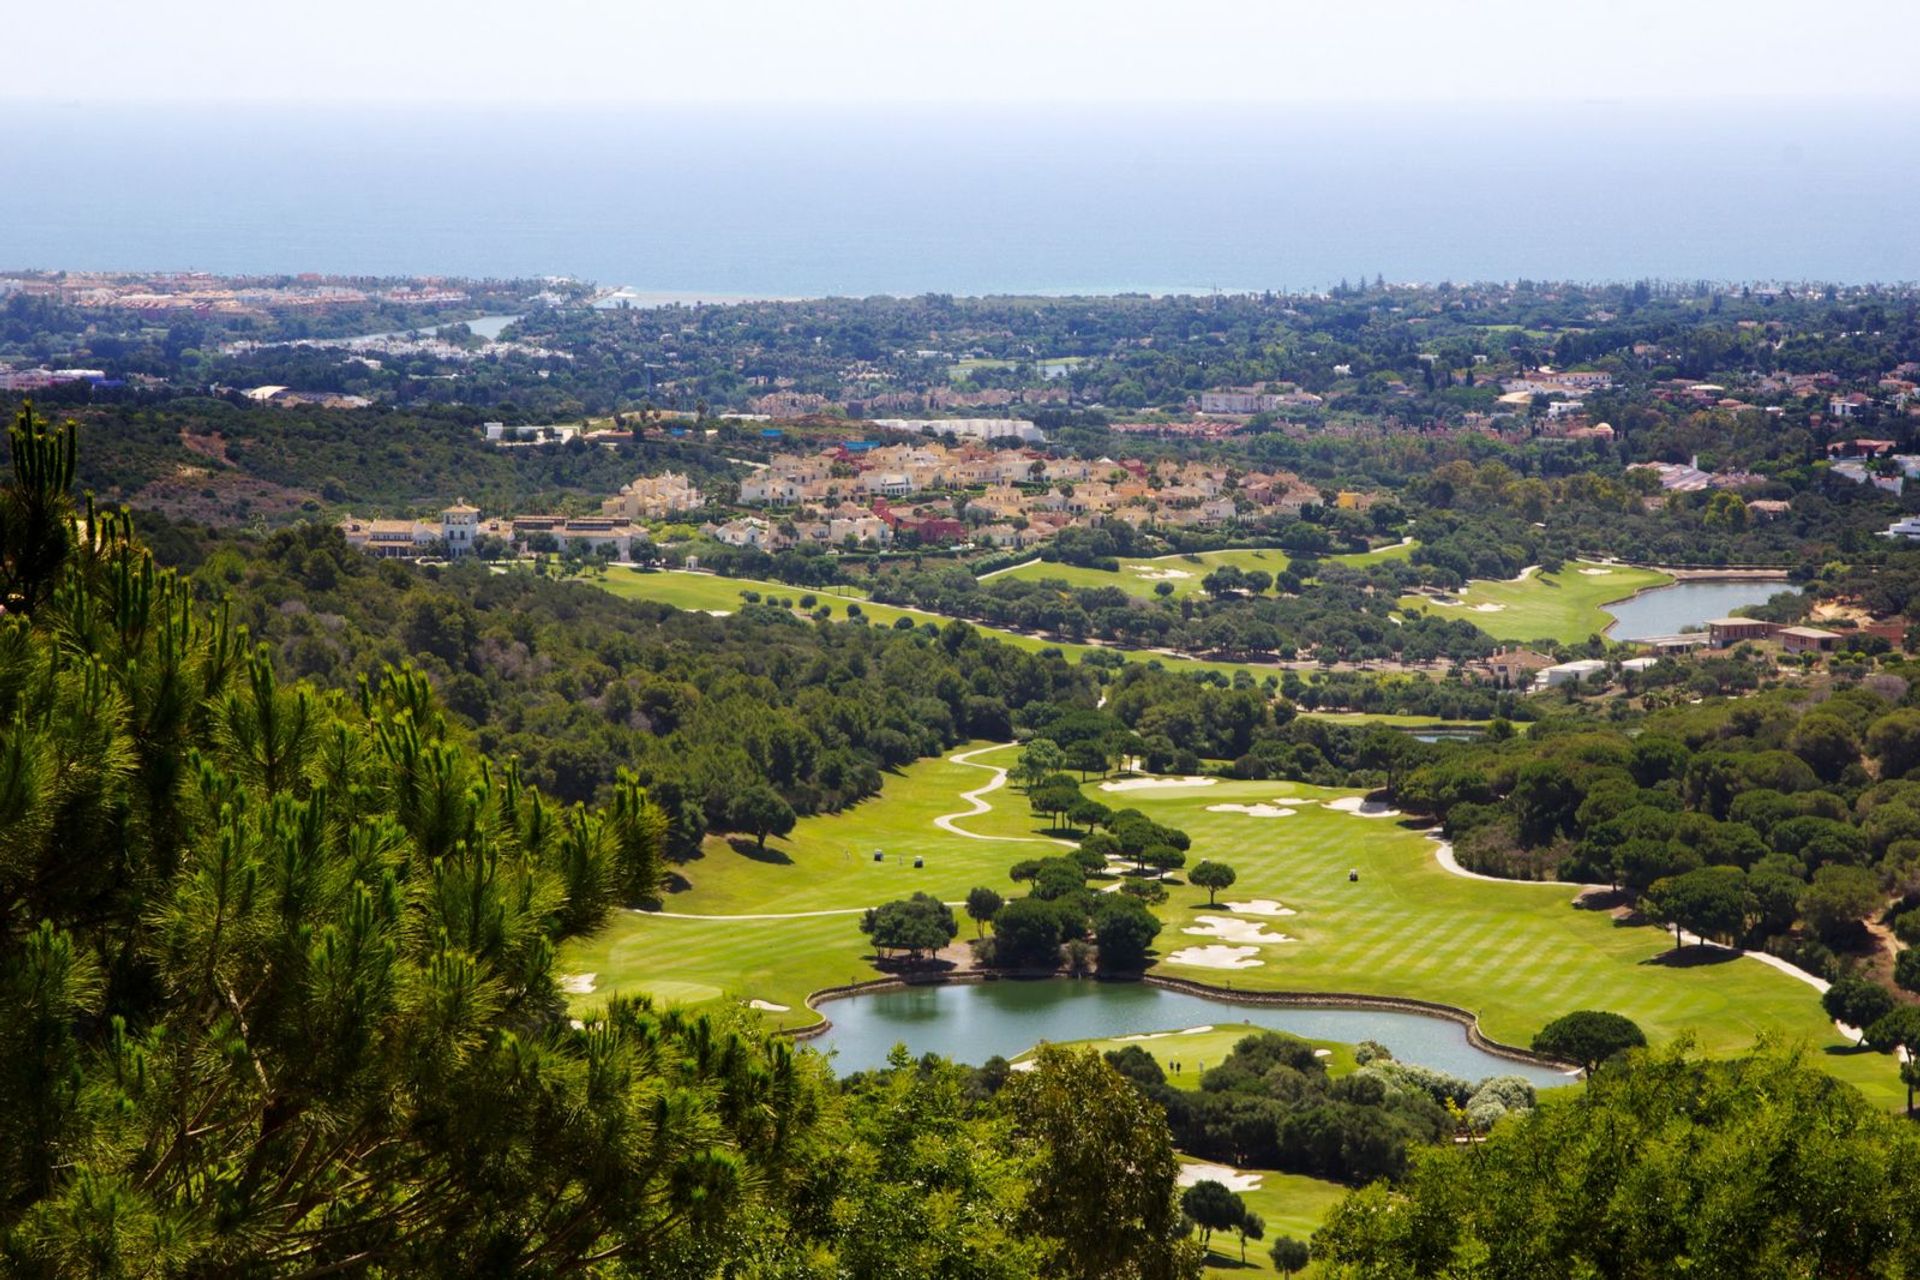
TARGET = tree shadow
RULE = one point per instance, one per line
(926, 966)
(1601, 900)
(1693, 957)
(746, 847)
(674, 883)
(1218, 1261)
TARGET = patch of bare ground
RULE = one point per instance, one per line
(218, 497)
(212, 446)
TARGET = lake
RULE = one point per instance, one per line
(1666, 611)
(973, 1021)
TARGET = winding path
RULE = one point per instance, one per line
(979, 806)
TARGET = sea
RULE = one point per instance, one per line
(682, 202)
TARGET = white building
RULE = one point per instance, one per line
(1566, 672)
(968, 428)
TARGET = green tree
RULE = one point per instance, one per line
(37, 533)
(982, 902)
(1250, 1227)
(1838, 900)
(1748, 1169)
(1709, 901)
(1027, 932)
(1040, 758)
(1906, 970)
(1087, 757)
(1213, 877)
(1212, 1207)
(1290, 1255)
(1588, 1037)
(1857, 1002)
(913, 925)
(1125, 929)
(1898, 1033)
(1894, 741)
(760, 811)
(1102, 1193)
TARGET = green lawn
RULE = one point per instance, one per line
(1192, 1046)
(1564, 607)
(1291, 1204)
(1515, 954)
(1392, 719)
(1402, 550)
(1140, 577)
(711, 592)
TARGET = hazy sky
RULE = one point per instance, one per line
(858, 51)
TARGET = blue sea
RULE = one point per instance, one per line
(817, 201)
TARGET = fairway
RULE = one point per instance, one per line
(1517, 955)
(1291, 1204)
(1563, 607)
(1401, 550)
(1183, 573)
(710, 592)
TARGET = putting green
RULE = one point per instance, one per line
(1192, 1045)
(1563, 607)
(1141, 577)
(1515, 954)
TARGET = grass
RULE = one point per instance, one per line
(1140, 577)
(1190, 1047)
(1517, 955)
(1563, 607)
(1393, 719)
(825, 864)
(1291, 1204)
(1361, 559)
(712, 592)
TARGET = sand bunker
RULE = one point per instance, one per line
(1596, 573)
(1253, 810)
(767, 1006)
(1151, 784)
(1258, 907)
(1488, 608)
(1232, 1179)
(1323, 1053)
(1230, 929)
(578, 984)
(718, 613)
(1162, 1035)
(1217, 957)
(1362, 808)
(1161, 575)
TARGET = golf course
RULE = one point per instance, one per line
(1564, 607)
(714, 593)
(1182, 574)
(765, 929)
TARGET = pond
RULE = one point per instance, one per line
(972, 1021)
(1666, 611)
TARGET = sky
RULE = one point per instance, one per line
(859, 52)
